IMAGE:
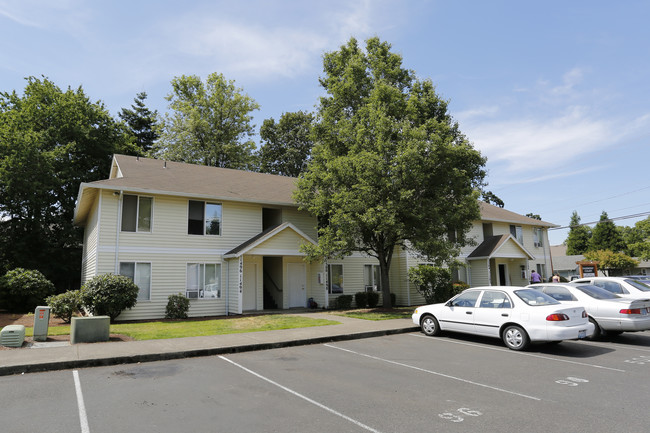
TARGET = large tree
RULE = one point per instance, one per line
(210, 123)
(141, 123)
(287, 144)
(50, 141)
(578, 240)
(390, 167)
(605, 236)
(613, 262)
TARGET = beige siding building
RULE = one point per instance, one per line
(230, 240)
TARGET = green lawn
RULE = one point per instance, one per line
(396, 313)
(195, 328)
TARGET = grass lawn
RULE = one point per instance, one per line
(379, 314)
(195, 328)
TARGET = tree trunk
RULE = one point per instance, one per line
(384, 267)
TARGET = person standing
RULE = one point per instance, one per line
(556, 278)
(535, 277)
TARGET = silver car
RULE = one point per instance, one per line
(621, 286)
(610, 313)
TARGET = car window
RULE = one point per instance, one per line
(467, 299)
(559, 293)
(495, 299)
(535, 297)
(611, 286)
(639, 285)
(596, 292)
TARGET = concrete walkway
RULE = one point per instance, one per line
(62, 355)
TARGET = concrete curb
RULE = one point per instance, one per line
(191, 353)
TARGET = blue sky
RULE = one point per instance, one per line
(555, 94)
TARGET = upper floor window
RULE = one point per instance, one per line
(537, 237)
(517, 233)
(136, 213)
(204, 218)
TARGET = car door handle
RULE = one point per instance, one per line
(468, 312)
(505, 315)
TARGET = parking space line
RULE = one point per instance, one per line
(297, 394)
(83, 418)
(622, 346)
(434, 373)
(532, 355)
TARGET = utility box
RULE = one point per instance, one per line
(12, 336)
(41, 323)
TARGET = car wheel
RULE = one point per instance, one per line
(598, 333)
(429, 325)
(515, 338)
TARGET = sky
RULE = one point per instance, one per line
(554, 94)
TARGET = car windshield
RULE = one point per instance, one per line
(596, 292)
(535, 297)
(637, 284)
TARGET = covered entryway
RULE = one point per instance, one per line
(499, 261)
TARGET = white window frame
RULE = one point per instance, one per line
(136, 279)
(518, 233)
(204, 221)
(200, 290)
(538, 238)
(329, 279)
(137, 214)
(375, 284)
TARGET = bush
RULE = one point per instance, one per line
(434, 283)
(109, 295)
(373, 299)
(177, 306)
(344, 302)
(23, 290)
(65, 304)
(361, 299)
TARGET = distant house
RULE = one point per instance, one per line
(230, 240)
(566, 266)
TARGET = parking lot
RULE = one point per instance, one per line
(398, 383)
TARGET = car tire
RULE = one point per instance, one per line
(598, 333)
(515, 338)
(429, 325)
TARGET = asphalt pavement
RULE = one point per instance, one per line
(58, 355)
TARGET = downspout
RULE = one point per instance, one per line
(228, 285)
(117, 230)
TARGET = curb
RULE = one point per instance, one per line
(165, 356)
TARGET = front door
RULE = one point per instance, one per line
(503, 275)
(297, 281)
(249, 297)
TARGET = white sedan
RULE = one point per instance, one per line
(622, 286)
(609, 313)
(517, 315)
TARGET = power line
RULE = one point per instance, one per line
(607, 220)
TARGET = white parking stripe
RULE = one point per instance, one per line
(622, 346)
(322, 406)
(83, 418)
(434, 372)
(520, 353)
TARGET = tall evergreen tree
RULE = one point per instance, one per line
(141, 123)
(605, 236)
(578, 240)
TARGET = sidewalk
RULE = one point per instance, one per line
(61, 356)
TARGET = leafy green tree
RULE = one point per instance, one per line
(434, 283)
(578, 240)
(534, 216)
(390, 167)
(491, 198)
(109, 295)
(605, 236)
(613, 262)
(210, 124)
(50, 141)
(141, 123)
(286, 144)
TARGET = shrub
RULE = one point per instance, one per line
(344, 302)
(65, 304)
(177, 306)
(361, 299)
(434, 283)
(373, 299)
(109, 295)
(23, 290)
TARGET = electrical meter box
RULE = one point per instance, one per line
(41, 323)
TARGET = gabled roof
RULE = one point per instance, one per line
(491, 245)
(264, 236)
(494, 213)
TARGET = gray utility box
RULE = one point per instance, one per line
(90, 329)
(41, 323)
(12, 336)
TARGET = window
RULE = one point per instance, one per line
(537, 237)
(611, 286)
(559, 293)
(204, 218)
(494, 299)
(335, 279)
(517, 233)
(203, 281)
(371, 278)
(467, 299)
(136, 213)
(140, 274)
(541, 270)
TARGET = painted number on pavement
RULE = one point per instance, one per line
(641, 360)
(453, 417)
(571, 381)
